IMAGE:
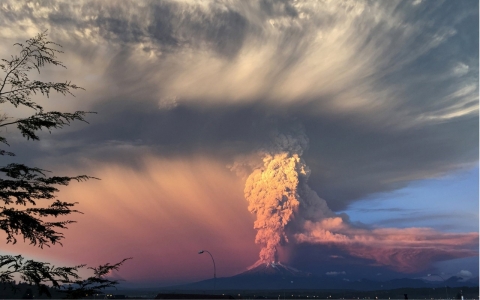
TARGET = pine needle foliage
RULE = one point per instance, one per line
(23, 187)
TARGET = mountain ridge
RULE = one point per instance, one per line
(274, 276)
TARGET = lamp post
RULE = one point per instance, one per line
(443, 282)
(214, 269)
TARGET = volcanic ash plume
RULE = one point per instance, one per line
(274, 192)
(287, 208)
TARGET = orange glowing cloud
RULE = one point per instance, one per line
(405, 250)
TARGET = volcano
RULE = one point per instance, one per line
(278, 276)
(273, 275)
(274, 269)
(260, 276)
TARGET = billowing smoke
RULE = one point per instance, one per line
(272, 196)
(277, 192)
(289, 211)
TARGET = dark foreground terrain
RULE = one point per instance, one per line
(413, 293)
(29, 292)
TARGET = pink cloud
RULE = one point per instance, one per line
(161, 214)
(405, 250)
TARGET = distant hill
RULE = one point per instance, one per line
(276, 276)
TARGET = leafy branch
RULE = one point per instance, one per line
(95, 283)
(34, 54)
(21, 186)
(64, 279)
(40, 274)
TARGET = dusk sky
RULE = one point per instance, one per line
(337, 137)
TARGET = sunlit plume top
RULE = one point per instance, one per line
(272, 191)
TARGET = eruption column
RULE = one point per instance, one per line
(273, 192)
(286, 207)
(272, 195)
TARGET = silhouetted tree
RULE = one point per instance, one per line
(21, 186)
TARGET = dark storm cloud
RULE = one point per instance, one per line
(387, 91)
(347, 162)
(167, 25)
(170, 27)
(379, 161)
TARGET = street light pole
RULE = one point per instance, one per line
(444, 282)
(214, 269)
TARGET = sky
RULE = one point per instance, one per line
(337, 137)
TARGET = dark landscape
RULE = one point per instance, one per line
(279, 277)
(151, 293)
(277, 281)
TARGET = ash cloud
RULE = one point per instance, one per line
(377, 87)
(387, 92)
(278, 195)
(288, 211)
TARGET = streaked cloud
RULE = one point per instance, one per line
(406, 250)
(387, 93)
(379, 78)
(161, 213)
